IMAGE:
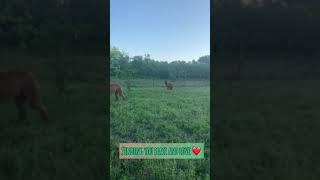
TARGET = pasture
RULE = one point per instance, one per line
(154, 114)
(266, 124)
(71, 145)
(266, 129)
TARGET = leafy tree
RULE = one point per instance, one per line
(145, 67)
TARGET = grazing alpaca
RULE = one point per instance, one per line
(117, 90)
(24, 87)
(168, 85)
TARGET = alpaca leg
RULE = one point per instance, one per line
(42, 110)
(37, 105)
(123, 96)
(116, 94)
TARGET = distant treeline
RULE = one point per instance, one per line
(266, 27)
(51, 26)
(123, 66)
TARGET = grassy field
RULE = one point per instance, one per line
(160, 82)
(71, 145)
(265, 125)
(267, 129)
(157, 115)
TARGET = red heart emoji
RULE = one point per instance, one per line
(196, 150)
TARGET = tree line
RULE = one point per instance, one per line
(52, 26)
(56, 29)
(124, 66)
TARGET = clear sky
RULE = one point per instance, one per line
(166, 29)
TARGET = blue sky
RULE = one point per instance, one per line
(166, 29)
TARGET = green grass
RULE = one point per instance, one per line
(152, 115)
(267, 130)
(70, 146)
(160, 82)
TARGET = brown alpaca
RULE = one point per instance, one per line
(168, 85)
(24, 87)
(117, 90)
